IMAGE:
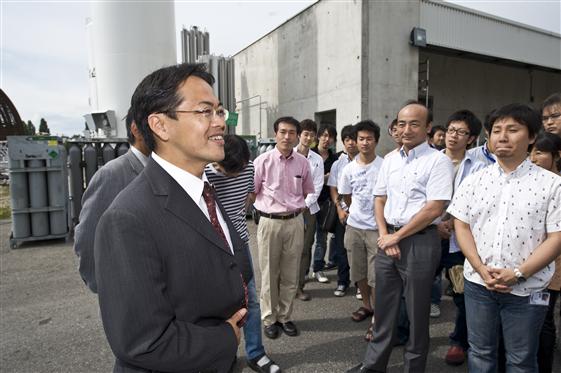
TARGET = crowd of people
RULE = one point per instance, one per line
(163, 238)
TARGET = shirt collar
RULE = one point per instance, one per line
(279, 154)
(189, 182)
(522, 169)
(141, 157)
(416, 151)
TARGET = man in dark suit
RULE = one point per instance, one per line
(171, 269)
(105, 185)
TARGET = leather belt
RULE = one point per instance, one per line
(291, 215)
(394, 228)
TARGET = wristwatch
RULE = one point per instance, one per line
(519, 276)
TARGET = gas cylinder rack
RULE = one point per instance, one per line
(38, 188)
(85, 157)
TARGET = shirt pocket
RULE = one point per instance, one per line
(296, 185)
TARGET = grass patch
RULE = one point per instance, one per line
(5, 211)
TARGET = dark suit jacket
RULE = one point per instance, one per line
(105, 185)
(166, 280)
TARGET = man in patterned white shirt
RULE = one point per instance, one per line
(508, 225)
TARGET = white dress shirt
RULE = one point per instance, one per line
(358, 180)
(410, 180)
(316, 167)
(509, 216)
(337, 168)
(194, 188)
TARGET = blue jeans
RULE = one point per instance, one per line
(252, 329)
(521, 323)
(321, 246)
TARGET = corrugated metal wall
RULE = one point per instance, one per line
(458, 28)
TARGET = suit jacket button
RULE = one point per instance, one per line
(233, 265)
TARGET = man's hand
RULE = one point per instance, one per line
(444, 230)
(343, 215)
(505, 279)
(393, 252)
(388, 240)
(487, 276)
(233, 321)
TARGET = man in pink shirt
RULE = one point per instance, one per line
(282, 181)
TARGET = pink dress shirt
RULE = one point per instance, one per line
(281, 184)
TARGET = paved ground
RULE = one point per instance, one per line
(49, 322)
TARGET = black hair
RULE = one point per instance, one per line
(288, 120)
(416, 102)
(521, 113)
(548, 142)
(308, 125)
(487, 123)
(369, 126)
(466, 116)
(128, 121)
(392, 125)
(236, 154)
(348, 131)
(434, 129)
(554, 99)
(158, 93)
(330, 130)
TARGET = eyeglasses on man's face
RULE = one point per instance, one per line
(207, 113)
(553, 117)
(458, 131)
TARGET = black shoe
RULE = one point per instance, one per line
(329, 265)
(272, 331)
(289, 328)
(263, 364)
(360, 369)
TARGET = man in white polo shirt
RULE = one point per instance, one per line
(412, 189)
(508, 225)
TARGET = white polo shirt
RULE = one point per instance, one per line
(509, 216)
(410, 180)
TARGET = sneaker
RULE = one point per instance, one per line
(329, 265)
(263, 364)
(358, 295)
(321, 277)
(455, 356)
(434, 310)
(340, 291)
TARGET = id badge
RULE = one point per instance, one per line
(540, 298)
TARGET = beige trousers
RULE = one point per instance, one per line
(280, 244)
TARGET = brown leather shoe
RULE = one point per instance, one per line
(303, 296)
(455, 356)
(361, 314)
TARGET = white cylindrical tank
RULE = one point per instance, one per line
(127, 48)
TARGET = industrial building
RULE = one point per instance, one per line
(341, 62)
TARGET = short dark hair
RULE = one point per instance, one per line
(157, 93)
(236, 154)
(330, 130)
(289, 120)
(466, 116)
(554, 99)
(348, 131)
(128, 122)
(392, 125)
(548, 142)
(308, 125)
(486, 122)
(435, 129)
(369, 126)
(521, 113)
(417, 102)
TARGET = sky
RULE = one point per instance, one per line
(44, 61)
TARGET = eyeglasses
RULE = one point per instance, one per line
(553, 117)
(458, 131)
(208, 113)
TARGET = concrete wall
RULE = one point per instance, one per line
(310, 64)
(391, 64)
(459, 83)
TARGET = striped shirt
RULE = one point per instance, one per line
(232, 193)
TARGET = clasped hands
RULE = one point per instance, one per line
(388, 243)
(497, 279)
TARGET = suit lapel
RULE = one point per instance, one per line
(181, 205)
(136, 165)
